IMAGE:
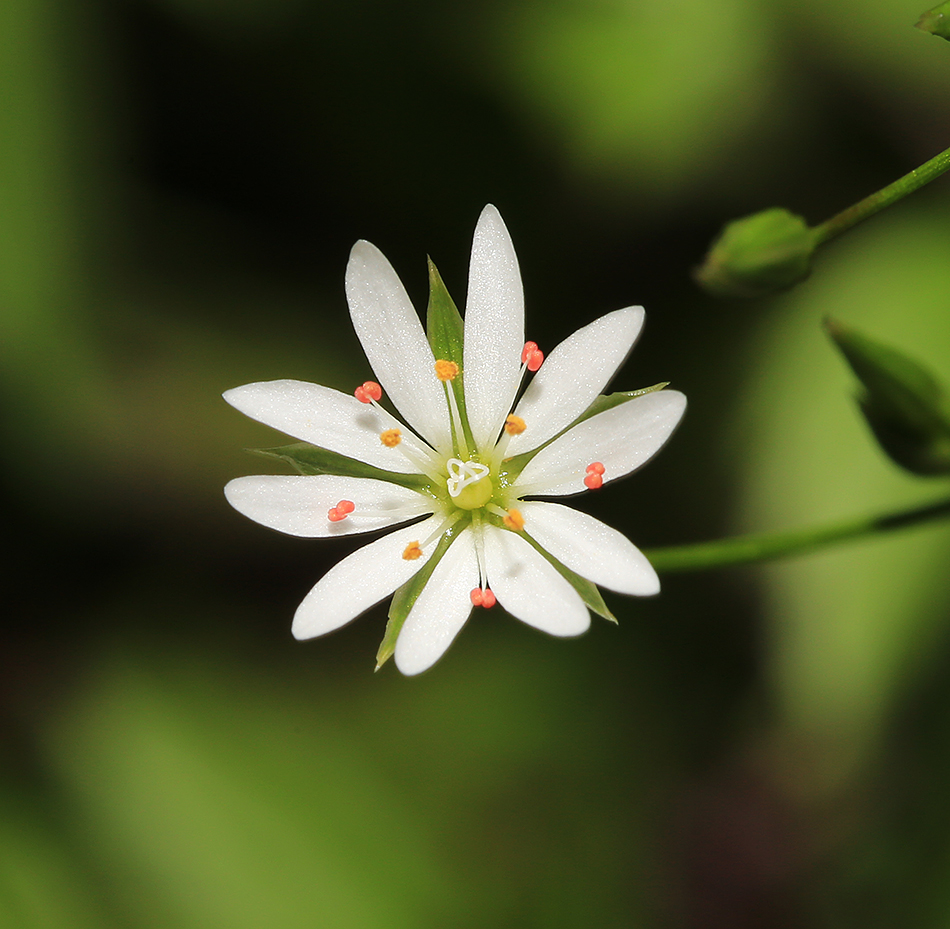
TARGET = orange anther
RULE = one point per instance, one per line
(390, 437)
(345, 507)
(412, 552)
(368, 391)
(514, 425)
(446, 370)
(527, 351)
(593, 481)
(334, 514)
(514, 520)
(595, 467)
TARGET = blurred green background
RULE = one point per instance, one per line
(180, 184)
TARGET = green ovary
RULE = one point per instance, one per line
(472, 496)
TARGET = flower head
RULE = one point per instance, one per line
(463, 461)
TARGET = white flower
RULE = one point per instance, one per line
(462, 460)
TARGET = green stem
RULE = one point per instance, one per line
(767, 546)
(882, 198)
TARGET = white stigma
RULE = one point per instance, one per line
(463, 473)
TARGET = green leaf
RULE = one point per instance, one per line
(446, 333)
(405, 597)
(311, 459)
(589, 592)
(903, 402)
(936, 21)
(512, 467)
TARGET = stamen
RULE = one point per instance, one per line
(368, 391)
(462, 446)
(532, 356)
(514, 425)
(390, 437)
(340, 511)
(412, 552)
(483, 597)
(446, 370)
(594, 479)
(514, 520)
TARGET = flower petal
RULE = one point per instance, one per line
(299, 505)
(324, 417)
(494, 329)
(361, 580)
(590, 548)
(621, 438)
(529, 587)
(395, 343)
(573, 375)
(441, 609)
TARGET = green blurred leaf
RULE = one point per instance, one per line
(311, 459)
(849, 630)
(903, 402)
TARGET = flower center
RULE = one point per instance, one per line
(469, 484)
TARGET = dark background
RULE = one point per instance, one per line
(181, 182)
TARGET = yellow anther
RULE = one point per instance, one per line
(446, 370)
(514, 425)
(390, 437)
(514, 520)
(412, 551)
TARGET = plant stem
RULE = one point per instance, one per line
(768, 546)
(882, 198)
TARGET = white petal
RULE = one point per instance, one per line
(622, 439)
(441, 609)
(395, 343)
(324, 417)
(529, 587)
(361, 580)
(573, 375)
(494, 328)
(590, 548)
(299, 505)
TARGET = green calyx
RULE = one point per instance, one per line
(903, 402)
(758, 255)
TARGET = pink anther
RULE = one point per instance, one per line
(483, 598)
(532, 356)
(368, 391)
(340, 511)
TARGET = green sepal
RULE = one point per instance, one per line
(587, 590)
(903, 402)
(511, 468)
(405, 597)
(936, 21)
(446, 333)
(758, 255)
(311, 459)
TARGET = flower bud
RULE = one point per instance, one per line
(903, 403)
(936, 21)
(758, 255)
